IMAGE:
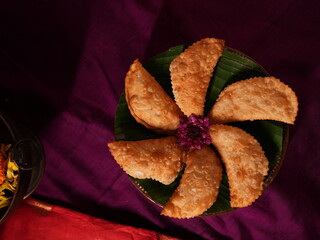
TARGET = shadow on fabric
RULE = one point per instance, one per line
(40, 46)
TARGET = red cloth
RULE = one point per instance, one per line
(34, 219)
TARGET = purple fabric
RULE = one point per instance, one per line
(62, 66)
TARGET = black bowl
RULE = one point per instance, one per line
(27, 153)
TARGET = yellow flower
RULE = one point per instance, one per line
(11, 177)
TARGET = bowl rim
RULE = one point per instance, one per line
(26, 185)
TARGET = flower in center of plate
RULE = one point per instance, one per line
(193, 131)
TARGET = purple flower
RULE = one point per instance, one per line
(193, 131)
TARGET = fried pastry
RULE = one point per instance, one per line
(159, 159)
(245, 162)
(191, 72)
(148, 103)
(199, 185)
(259, 98)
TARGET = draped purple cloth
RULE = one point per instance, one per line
(62, 68)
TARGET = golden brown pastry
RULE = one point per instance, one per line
(245, 162)
(199, 185)
(148, 103)
(191, 72)
(159, 159)
(259, 98)
(162, 159)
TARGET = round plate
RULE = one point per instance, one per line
(232, 66)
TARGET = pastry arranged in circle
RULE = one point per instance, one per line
(159, 159)
(199, 185)
(148, 102)
(196, 142)
(245, 162)
(257, 98)
(191, 72)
